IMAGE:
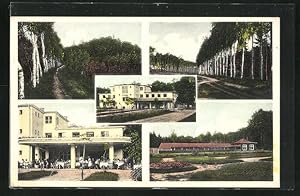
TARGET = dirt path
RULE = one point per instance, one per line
(75, 174)
(167, 160)
(183, 176)
(253, 159)
(170, 117)
(57, 87)
(233, 90)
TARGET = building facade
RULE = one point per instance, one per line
(136, 96)
(46, 135)
(240, 145)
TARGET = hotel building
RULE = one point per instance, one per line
(136, 96)
(46, 135)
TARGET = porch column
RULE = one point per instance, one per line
(47, 154)
(73, 156)
(78, 151)
(137, 105)
(150, 105)
(111, 152)
(37, 152)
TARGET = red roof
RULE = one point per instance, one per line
(194, 145)
(244, 141)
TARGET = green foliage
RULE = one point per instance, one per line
(186, 90)
(161, 86)
(102, 176)
(76, 59)
(132, 116)
(134, 149)
(163, 61)
(252, 171)
(32, 175)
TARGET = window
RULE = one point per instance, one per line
(113, 89)
(90, 134)
(147, 95)
(141, 88)
(158, 95)
(59, 134)
(48, 135)
(109, 97)
(103, 96)
(165, 95)
(104, 134)
(244, 147)
(21, 131)
(114, 96)
(48, 119)
(20, 112)
(251, 147)
(75, 134)
(20, 152)
(152, 95)
(129, 86)
(141, 96)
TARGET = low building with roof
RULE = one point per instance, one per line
(240, 145)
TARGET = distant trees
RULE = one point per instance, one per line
(185, 88)
(235, 49)
(104, 56)
(169, 62)
(259, 130)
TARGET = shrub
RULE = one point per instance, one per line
(102, 176)
(205, 160)
(169, 167)
(32, 175)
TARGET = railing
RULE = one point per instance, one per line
(29, 140)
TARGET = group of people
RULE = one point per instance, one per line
(38, 163)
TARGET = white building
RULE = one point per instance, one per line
(136, 96)
(46, 135)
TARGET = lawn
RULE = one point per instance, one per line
(132, 116)
(204, 160)
(102, 176)
(154, 159)
(259, 89)
(252, 171)
(191, 118)
(170, 167)
(32, 175)
(43, 90)
(76, 86)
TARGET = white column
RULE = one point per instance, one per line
(37, 153)
(46, 154)
(73, 156)
(150, 105)
(111, 152)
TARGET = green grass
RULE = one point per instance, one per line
(191, 118)
(102, 176)
(252, 171)
(32, 175)
(204, 160)
(76, 86)
(261, 89)
(172, 170)
(132, 116)
(43, 90)
(155, 159)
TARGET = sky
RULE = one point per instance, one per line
(107, 81)
(212, 116)
(79, 113)
(77, 32)
(180, 39)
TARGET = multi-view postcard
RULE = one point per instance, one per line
(144, 102)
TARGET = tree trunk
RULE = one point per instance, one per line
(252, 58)
(234, 58)
(231, 58)
(267, 62)
(261, 61)
(242, 66)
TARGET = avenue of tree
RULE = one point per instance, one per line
(169, 62)
(237, 50)
(259, 129)
(40, 50)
